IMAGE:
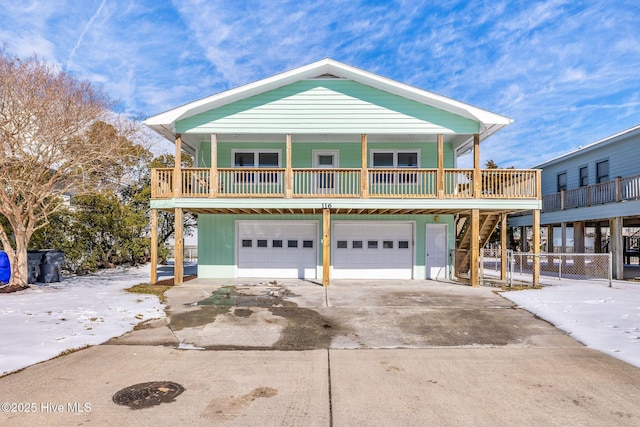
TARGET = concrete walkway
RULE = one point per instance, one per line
(292, 353)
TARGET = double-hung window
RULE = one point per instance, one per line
(602, 171)
(251, 159)
(395, 159)
(562, 182)
(584, 176)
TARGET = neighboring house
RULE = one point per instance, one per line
(331, 171)
(592, 196)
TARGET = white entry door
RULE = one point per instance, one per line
(277, 249)
(372, 250)
(436, 251)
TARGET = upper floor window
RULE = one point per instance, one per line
(602, 171)
(395, 159)
(256, 159)
(584, 176)
(562, 182)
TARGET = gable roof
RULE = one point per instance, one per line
(489, 123)
(634, 131)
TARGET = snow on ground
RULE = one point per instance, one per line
(603, 318)
(40, 323)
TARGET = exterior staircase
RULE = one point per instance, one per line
(488, 223)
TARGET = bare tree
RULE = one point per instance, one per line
(58, 135)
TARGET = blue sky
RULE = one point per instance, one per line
(566, 71)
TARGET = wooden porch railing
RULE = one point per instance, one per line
(606, 192)
(336, 183)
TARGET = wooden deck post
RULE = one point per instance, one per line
(616, 247)
(178, 266)
(288, 189)
(503, 246)
(154, 246)
(364, 177)
(213, 179)
(535, 242)
(475, 248)
(578, 237)
(326, 246)
(177, 172)
(440, 173)
(477, 184)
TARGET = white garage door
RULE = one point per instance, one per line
(372, 250)
(277, 249)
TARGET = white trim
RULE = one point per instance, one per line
(489, 123)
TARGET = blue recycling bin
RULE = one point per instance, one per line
(5, 268)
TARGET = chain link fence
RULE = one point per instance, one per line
(555, 268)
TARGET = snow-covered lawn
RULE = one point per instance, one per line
(44, 321)
(603, 318)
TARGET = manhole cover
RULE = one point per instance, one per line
(144, 395)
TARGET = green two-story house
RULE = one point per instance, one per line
(329, 171)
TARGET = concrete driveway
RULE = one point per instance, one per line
(300, 315)
(367, 353)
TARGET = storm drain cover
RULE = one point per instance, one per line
(144, 395)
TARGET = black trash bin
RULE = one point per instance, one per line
(51, 265)
(34, 259)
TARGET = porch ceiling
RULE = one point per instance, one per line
(193, 141)
(335, 211)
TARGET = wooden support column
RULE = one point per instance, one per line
(177, 172)
(288, 189)
(524, 244)
(550, 238)
(598, 239)
(364, 178)
(503, 247)
(578, 243)
(535, 242)
(178, 256)
(154, 246)
(440, 173)
(550, 247)
(213, 179)
(578, 237)
(326, 246)
(477, 178)
(616, 247)
(475, 248)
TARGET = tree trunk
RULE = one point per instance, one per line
(19, 266)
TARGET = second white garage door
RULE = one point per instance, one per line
(277, 249)
(372, 250)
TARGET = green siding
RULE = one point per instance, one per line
(302, 152)
(327, 106)
(217, 233)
